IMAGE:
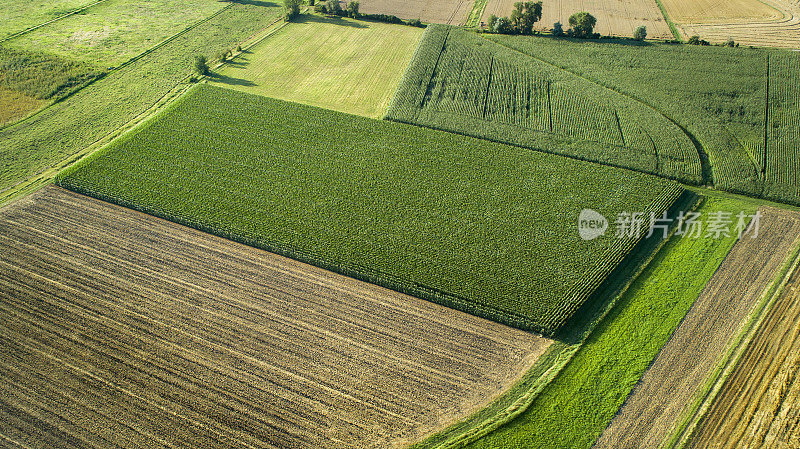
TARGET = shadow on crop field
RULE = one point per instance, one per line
(253, 3)
(229, 80)
(313, 18)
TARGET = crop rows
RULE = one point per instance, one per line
(782, 177)
(462, 83)
(449, 218)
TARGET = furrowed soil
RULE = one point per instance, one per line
(448, 12)
(759, 404)
(614, 17)
(121, 329)
(675, 379)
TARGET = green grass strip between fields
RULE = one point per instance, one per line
(574, 409)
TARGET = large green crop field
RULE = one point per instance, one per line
(115, 31)
(717, 94)
(460, 82)
(483, 227)
(340, 64)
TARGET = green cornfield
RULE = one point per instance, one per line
(483, 227)
(462, 83)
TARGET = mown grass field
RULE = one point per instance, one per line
(32, 151)
(463, 83)
(125, 330)
(449, 218)
(16, 16)
(115, 31)
(573, 410)
(717, 94)
(341, 64)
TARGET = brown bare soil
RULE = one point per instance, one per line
(773, 23)
(120, 329)
(614, 17)
(759, 404)
(655, 407)
(448, 12)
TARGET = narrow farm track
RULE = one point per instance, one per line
(671, 384)
(124, 329)
(758, 404)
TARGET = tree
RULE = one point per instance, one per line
(582, 24)
(730, 43)
(694, 40)
(333, 7)
(516, 17)
(558, 29)
(492, 22)
(641, 33)
(532, 13)
(352, 10)
(292, 9)
(201, 65)
(503, 26)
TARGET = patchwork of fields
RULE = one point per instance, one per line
(675, 380)
(124, 329)
(757, 406)
(462, 83)
(340, 64)
(449, 218)
(114, 31)
(614, 17)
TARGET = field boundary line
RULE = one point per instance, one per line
(706, 174)
(36, 27)
(557, 356)
(714, 383)
(672, 27)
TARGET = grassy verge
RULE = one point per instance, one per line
(474, 18)
(575, 408)
(675, 33)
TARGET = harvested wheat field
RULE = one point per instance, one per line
(448, 12)
(719, 11)
(759, 404)
(614, 17)
(121, 329)
(761, 23)
(666, 391)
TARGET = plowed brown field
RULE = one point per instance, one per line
(614, 17)
(654, 409)
(120, 329)
(448, 12)
(759, 404)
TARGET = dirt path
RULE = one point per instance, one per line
(666, 391)
(123, 329)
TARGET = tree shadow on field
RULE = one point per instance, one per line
(603, 40)
(313, 18)
(231, 81)
(252, 3)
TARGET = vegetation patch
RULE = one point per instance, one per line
(336, 63)
(462, 83)
(114, 31)
(14, 105)
(43, 76)
(449, 218)
(574, 409)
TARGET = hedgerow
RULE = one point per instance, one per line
(482, 227)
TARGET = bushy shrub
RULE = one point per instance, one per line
(558, 29)
(201, 65)
(292, 9)
(333, 7)
(582, 24)
(416, 23)
(352, 10)
(640, 34)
